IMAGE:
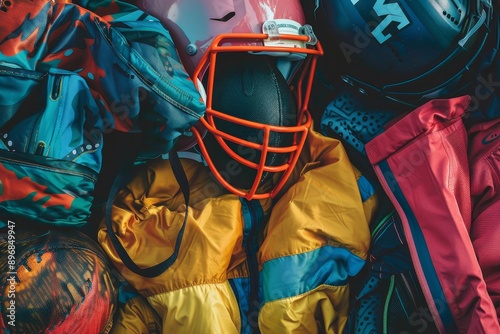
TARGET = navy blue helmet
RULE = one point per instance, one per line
(408, 51)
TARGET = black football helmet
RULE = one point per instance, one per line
(254, 62)
(406, 50)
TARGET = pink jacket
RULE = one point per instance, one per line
(422, 163)
(484, 161)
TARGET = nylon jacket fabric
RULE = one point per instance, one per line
(422, 164)
(49, 156)
(136, 316)
(243, 265)
(484, 160)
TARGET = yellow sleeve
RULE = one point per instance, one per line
(317, 238)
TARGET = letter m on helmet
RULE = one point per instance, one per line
(392, 12)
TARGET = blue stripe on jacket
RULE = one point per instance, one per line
(296, 274)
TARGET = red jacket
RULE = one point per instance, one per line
(422, 163)
(484, 161)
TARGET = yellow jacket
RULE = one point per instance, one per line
(241, 264)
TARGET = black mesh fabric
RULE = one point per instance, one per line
(386, 296)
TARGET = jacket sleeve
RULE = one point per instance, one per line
(317, 238)
(484, 160)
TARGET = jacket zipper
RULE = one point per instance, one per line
(56, 87)
(251, 249)
(55, 93)
(21, 162)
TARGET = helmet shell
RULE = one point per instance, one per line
(259, 54)
(404, 50)
(193, 24)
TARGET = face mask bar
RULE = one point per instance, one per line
(306, 46)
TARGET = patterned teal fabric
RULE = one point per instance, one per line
(50, 155)
(69, 73)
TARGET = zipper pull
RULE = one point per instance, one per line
(56, 87)
(40, 148)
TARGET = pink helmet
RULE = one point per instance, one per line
(194, 24)
(255, 60)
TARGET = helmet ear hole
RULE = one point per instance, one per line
(250, 88)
